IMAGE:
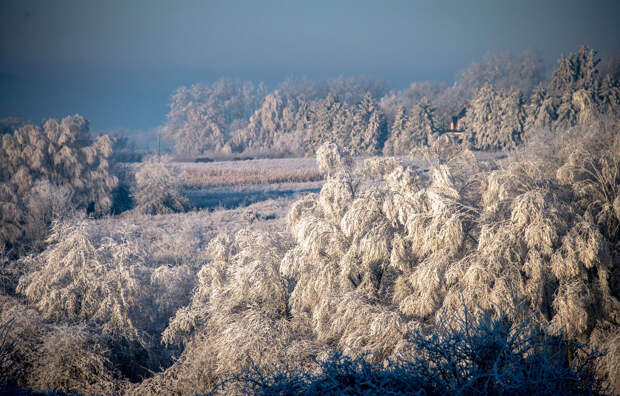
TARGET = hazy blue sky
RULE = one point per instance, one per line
(116, 62)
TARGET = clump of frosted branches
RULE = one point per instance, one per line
(45, 172)
(238, 317)
(157, 189)
(592, 170)
(111, 283)
(332, 158)
(48, 357)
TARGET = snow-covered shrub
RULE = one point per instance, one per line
(112, 284)
(332, 158)
(157, 189)
(592, 169)
(238, 317)
(21, 330)
(74, 358)
(495, 120)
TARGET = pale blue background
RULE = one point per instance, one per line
(116, 62)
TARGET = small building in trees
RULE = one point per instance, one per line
(455, 121)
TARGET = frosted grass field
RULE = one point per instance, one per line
(229, 184)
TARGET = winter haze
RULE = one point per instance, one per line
(116, 62)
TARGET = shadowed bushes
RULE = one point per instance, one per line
(479, 355)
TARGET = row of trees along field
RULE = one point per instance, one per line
(504, 97)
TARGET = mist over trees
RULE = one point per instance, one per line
(503, 95)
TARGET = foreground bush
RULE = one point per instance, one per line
(110, 283)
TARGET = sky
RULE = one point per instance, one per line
(116, 62)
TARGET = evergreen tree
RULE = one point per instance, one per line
(370, 127)
(412, 129)
(575, 93)
(494, 120)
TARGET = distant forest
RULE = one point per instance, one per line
(492, 105)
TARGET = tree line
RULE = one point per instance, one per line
(504, 97)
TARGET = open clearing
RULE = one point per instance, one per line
(231, 184)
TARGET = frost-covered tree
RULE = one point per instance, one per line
(413, 129)
(46, 169)
(111, 283)
(574, 94)
(279, 117)
(494, 120)
(610, 95)
(329, 121)
(202, 117)
(370, 127)
(540, 110)
(399, 131)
